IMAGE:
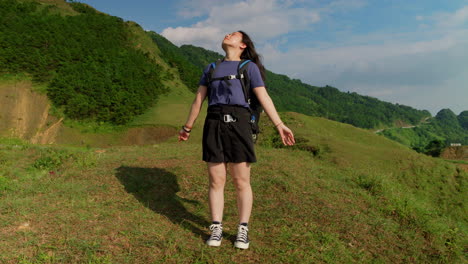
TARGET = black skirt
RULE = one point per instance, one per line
(228, 141)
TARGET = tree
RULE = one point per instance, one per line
(434, 148)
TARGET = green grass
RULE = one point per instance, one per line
(10, 78)
(457, 161)
(361, 199)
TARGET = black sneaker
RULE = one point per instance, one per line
(216, 235)
(242, 240)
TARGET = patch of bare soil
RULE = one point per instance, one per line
(455, 153)
(47, 136)
(463, 166)
(25, 113)
(401, 123)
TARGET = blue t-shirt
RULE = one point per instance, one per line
(221, 93)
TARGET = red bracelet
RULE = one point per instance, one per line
(278, 124)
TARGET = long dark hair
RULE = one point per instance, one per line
(250, 53)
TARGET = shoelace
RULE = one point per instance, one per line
(217, 231)
(242, 234)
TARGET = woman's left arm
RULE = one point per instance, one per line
(286, 134)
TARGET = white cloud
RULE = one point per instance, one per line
(199, 36)
(427, 74)
(265, 19)
(197, 8)
(453, 20)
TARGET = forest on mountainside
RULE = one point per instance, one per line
(87, 60)
(188, 72)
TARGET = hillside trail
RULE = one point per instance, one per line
(401, 124)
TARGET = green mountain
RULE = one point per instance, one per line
(447, 118)
(200, 57)
(434, 134)
(188, 72)
(463, 119)
(449, 125)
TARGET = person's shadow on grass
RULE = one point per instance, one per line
(157, 189)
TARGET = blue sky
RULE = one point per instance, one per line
(408, 52)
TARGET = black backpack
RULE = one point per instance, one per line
(255, 107)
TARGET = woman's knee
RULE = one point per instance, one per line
(217, 173)
(217, 182)
(241, 182)
(241, 175)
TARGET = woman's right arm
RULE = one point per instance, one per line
(194, 111)
(286, 134)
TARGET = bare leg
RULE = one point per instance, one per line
(217, 173)
(241, 177)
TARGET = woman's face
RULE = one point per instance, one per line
(233, 39)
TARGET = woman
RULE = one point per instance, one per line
(227, 132)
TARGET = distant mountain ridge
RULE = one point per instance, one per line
(296, 96)
(433, 135)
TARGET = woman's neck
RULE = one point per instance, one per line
(233, 55)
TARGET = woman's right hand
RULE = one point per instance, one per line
(286, 134)
(183, 136)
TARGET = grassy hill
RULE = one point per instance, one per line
(343, 195)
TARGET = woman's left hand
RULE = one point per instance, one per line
(183, 136)
(286, 135)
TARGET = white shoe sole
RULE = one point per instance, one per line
(214, 243)
(241, 245)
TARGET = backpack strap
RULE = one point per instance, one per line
(211, 73)
(245, 80)
(213, 67)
